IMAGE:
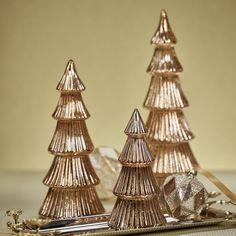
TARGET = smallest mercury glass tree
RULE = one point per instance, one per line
(136, 188)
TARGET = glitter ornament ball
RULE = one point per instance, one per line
(185, 195)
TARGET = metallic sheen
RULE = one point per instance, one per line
(136, 183)
(136, 153)
(185, 196)
(71, 171)
(71, 138)
(70, 106)
(136, 188)
(165, 92)
(175, 158)
(168, 126)
(168, 131)
(70, 81)
(164, 34)
(164, 60)
(71, 178)
(132, 214)
(63, 203)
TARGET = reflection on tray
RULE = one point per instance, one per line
(98, 224)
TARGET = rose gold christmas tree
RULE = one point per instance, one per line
(137, 204)
(168, 132)
(71, 178)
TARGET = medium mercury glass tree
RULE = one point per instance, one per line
(168, 132)
(136, 188)
(71, 178)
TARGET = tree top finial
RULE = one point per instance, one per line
(135, 126)
(70, 80)
(163, 13)
(164, 33)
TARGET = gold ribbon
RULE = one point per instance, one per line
(216, 182)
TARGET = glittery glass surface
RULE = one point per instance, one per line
(185, 196)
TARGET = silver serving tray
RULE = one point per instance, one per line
(98, 225)
(101, 228)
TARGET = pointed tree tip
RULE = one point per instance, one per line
(136, 111)
(164, 34)
(135, 126)
(70, 80)
(71, 61)
(136, 115)
(163, 13)
(70, 65)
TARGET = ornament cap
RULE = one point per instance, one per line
(70, 80)
(135, 126)
(164, 33)
(191, 173)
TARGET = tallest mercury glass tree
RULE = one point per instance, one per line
(71, 178)
(168, 132)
